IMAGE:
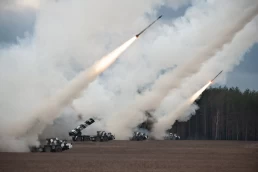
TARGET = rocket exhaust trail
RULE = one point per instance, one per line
(193, 66)
(198, 93)
(50, 110)
(162, 88)
(148, 26)
(165, 122)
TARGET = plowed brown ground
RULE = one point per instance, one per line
(146, 156)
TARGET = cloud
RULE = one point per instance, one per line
(176, 4)
(15, 21)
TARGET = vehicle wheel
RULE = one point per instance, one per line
(78, 138)
(33, 149)
(47, 149)
(58, 149)
(98, 139)
(105, 139)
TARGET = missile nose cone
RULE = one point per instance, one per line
(160, 16)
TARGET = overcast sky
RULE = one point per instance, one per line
(16, 22)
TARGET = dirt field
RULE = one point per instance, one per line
(147, 156)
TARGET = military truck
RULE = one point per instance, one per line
(171, 136)
(52, 145)
(111, 136)
(102, 136)
(139, 136)
(77, 132)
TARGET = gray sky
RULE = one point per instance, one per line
(246, 74)
(14, 23)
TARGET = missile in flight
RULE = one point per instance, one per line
(148, 26)
(216, 76)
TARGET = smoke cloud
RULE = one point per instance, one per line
(198, 55)
(43, 63)
(69, 36)
(164, 122)
(176, 106)
(50, 110)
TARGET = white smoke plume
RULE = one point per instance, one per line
(164, 122)
(51, 109)
(69, 36)
(176, 106)
(12, 144)
(213, 41)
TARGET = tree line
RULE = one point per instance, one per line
(223, 114)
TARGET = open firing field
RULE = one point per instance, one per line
(147, 156)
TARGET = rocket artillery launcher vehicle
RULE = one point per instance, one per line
(77, 132)
(52, 145)
(139, 136)
(171, 136)
(101, 135)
